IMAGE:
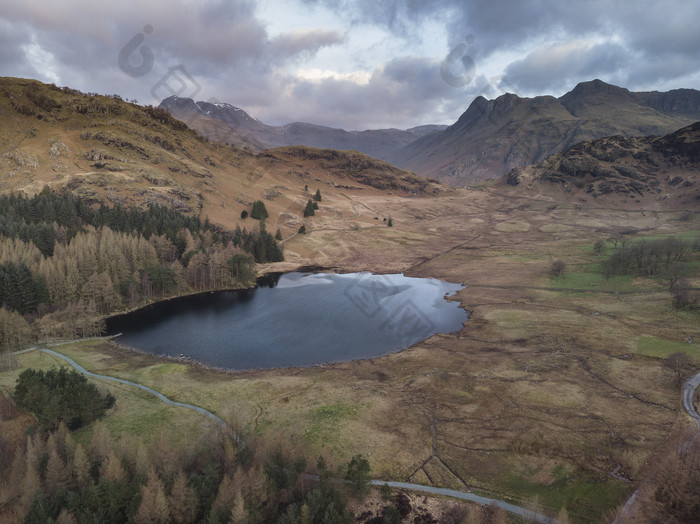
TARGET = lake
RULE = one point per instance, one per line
(295, 319)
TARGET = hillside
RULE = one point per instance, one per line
(103, 148)
(661, 171)
(229, 124)
(554, 395)
(494, 136)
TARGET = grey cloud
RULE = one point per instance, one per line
(227, 48)
(222, 43)
(400, 16)
(13, 38)
(303, 42)
(404, 91)
(555, 66)
(647, 31)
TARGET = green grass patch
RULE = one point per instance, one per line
(136, 412)
(333, 413)
(584, 500)
(589, 278)
(325, 419)
(662, 348)
(688, 236)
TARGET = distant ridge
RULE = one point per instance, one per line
(494, 136)
(223, 122)
(661, 171)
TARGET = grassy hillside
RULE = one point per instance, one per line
(554, 393)
(102, 147)
(662, 172)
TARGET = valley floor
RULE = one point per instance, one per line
(552, 395)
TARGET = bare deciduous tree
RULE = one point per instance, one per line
(678, 363)
(558, 267)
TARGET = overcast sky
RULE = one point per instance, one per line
(352, 64)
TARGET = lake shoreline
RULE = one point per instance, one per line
(258, 328)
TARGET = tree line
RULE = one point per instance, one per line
(65, 264)
(53, 478)
(60, 396)
(652, 258)
(649, 257)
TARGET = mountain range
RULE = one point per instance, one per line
(102, 148)
(223, 122)
(494, 136)
(488, 140)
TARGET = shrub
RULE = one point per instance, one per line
(678, 363)
(683, 298)
(558, 267)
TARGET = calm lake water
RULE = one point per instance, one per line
(296, 319)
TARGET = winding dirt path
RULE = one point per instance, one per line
(688, 391)
(471, 497)
(511, 508)
(162, 397)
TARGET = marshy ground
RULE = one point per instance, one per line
(552, 394)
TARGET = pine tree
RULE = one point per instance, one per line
(57, 476)
(81, 466)
(143, 460)
(225, 497)
(66, 517)
(100, 443)
(304, 516)
(238, 513)
(317, 196)
(31, 482)
(112, 469)
(259, 211)
(182, 501)
(309, 210)
(154, 503)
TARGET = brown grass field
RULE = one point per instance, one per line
(552, 395)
